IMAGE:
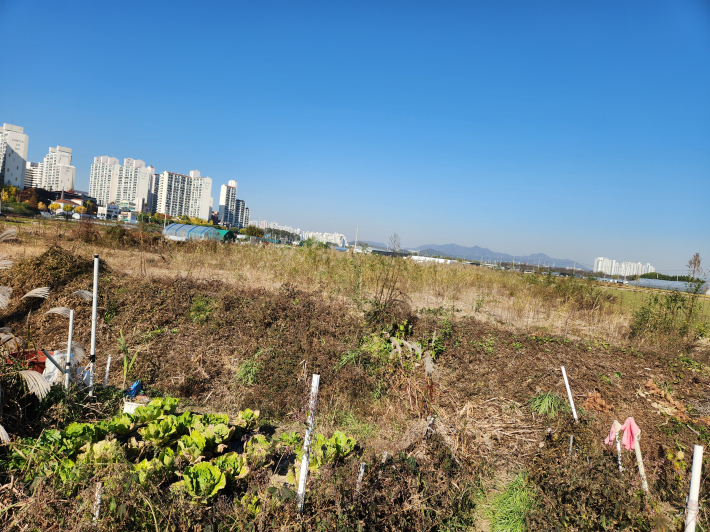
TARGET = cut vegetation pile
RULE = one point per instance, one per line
(456, 403)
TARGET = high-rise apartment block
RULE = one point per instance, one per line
(188, 195)
(130, 183)
(57, 171)
(622, 269)
(13, 155)
(33, 175)
(232, 211)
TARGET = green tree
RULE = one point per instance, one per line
(252, 230)
(68, 208)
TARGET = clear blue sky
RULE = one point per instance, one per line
(575, 129)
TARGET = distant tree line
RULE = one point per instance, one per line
(664, 277)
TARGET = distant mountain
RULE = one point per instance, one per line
(479, 253)
(378, 245)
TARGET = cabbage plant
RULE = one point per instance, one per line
(202, 481)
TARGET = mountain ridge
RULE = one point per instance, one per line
(485, 254)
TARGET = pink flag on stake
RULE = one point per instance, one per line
(631, 429)
(611, 438)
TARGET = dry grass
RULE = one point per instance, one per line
(523, 303)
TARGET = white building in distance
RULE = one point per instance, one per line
(13, 155)
(57, 171)
(232, 211)
(33, 175)
(623, 269)
(132, 182)
(189, 195)
(326, 238)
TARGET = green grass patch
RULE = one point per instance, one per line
(547, 404)
(507, 511)
(201, 309)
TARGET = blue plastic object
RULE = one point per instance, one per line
(134, 389)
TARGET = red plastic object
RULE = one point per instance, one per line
(35, 360)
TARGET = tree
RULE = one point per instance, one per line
(54, 207)
(68, 208)
(90, 207)
(394, 244)
(41, 206)
(253, 230)
(80, 209)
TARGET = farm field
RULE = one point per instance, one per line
(445, 381)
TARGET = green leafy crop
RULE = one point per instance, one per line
(202, 481)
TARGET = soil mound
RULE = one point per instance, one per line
(54, 268)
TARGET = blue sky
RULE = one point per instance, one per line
(568, 128)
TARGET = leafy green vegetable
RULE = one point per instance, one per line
(160, 432)
(167, 405)
(123, 425)
(246, 419)
(202, 481)
(149, 469)
(77, 435)
(233, 465)
(103, 452)
(257, 451)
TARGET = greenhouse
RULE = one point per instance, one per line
(185, 232)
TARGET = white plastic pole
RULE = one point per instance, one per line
(301, 497)
(569, 394)
(639, 461)
(67, 365)
(92, 353)
(358, 485)
(691, 517)
(108, 365)
(618, 450)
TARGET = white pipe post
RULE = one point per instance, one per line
(301, 497)
(618, 450)
(569, 394)
(97, 502)
(92, 353)
(691, 517)
(358, 485)
(67, 365)
(108, 365)
(639, 461)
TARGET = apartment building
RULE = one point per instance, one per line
(189, 195)
(131, 182)
(33, 175)
(622, 269)
(13, 155)
(232, 211)
(57, 171)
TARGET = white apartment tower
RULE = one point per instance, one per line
(131, 182)
(189, 195)
(33, 175)
(232, 211)
(13, 155)
(623, 269)
(57, 171)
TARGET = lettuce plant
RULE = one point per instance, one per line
(202, 481)
(257, 451)
(233, 465)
